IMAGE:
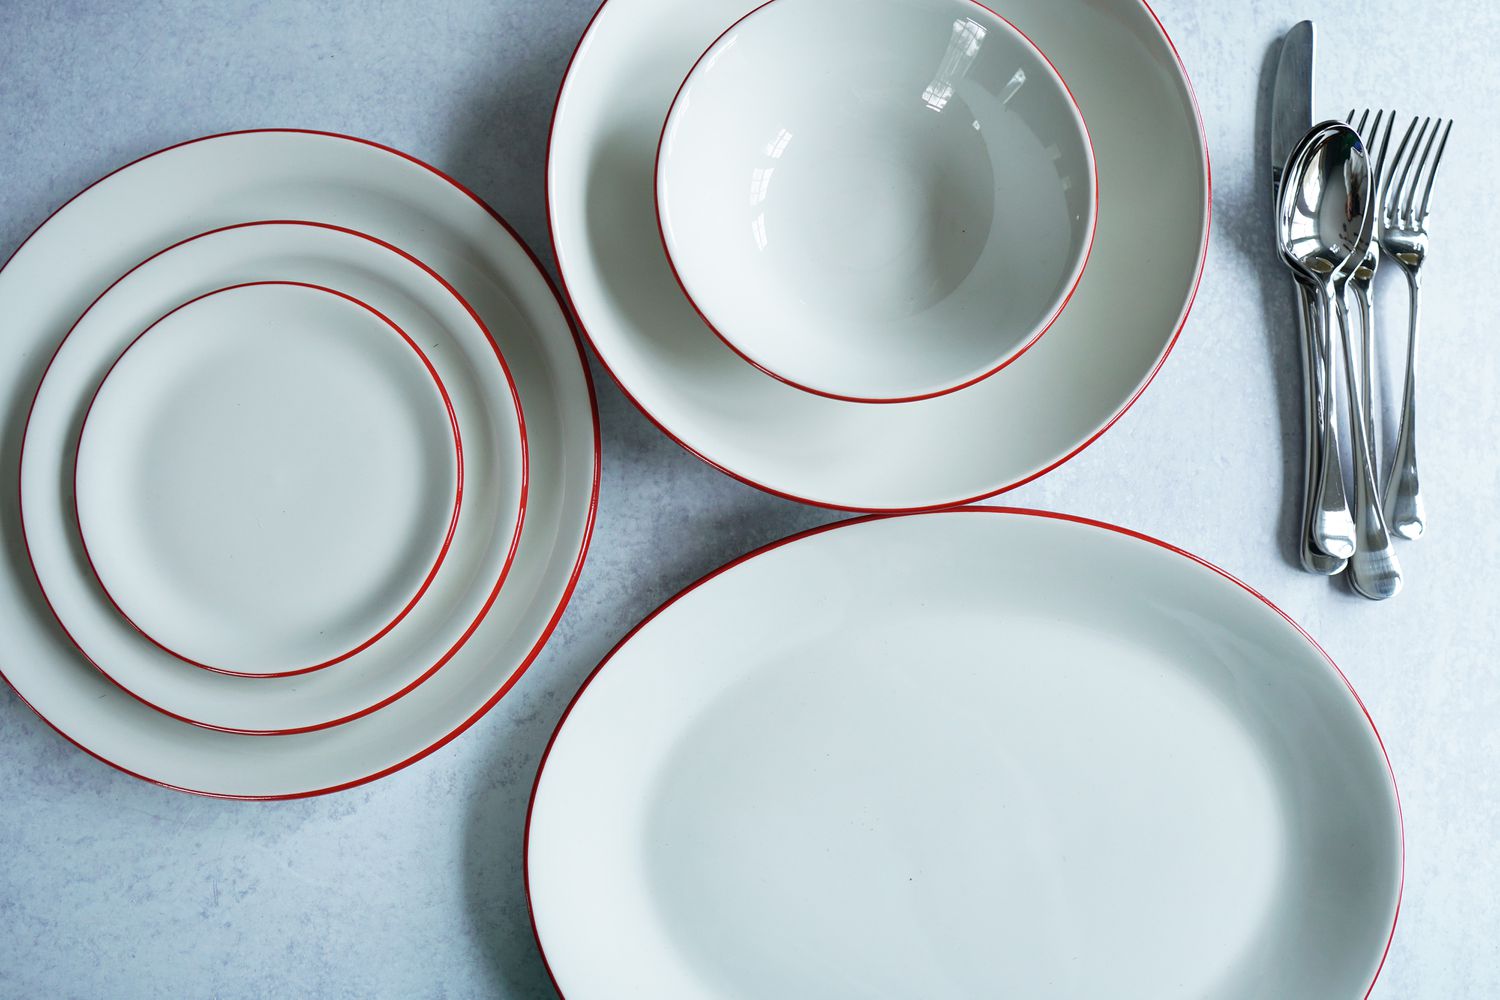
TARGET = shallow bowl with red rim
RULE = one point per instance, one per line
(876, 200)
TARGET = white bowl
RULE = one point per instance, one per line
(876, 200)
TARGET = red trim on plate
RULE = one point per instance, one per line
(1172, 343)
(447, 542)
(588, 527)
(1014, 511)
(473, 625)
(974, 380)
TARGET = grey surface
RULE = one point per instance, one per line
(412, 887)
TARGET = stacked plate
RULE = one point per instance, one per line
(887, 255)
(307, 450)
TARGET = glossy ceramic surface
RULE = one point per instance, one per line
(220, 181)
(975, 753)
(484, 537)
(1011, 427)
(245, 482)
(921, 194)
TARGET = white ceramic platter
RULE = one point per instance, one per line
(484, 539)
(982, 753)
(1013, 426)
(225, 180)
(244, 483)
(921, 195)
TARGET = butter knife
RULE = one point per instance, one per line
(1291, 117)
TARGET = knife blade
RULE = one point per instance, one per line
(1292, 96)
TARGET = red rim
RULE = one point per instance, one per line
(1021, 511)
(827, 505)
(443, 547)
(463, 637)
(1030, 342)
(588, 527)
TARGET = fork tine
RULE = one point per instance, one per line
(1390, 196)
(1427, 192)
(1372, 145)
(1368, 139)
(1384, 142)
(1416, 180)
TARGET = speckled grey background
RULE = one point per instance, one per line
(412, 887)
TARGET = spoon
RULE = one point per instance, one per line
(1329, 526)
(1326, 219)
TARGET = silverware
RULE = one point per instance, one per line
(1326, 217)
(1403, 237)
(1291, 117)
(1362, 281)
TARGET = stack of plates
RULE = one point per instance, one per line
(1042, 408)
(306, 449)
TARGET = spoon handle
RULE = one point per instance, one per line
(1374, 568)
(1404, 509)
(1331, 527)
(1314, 560)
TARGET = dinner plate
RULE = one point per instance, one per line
(983, 753)
(220, 181)
(1019, 423)
(244, 484)
(484, 539)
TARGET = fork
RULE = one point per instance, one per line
(1403, 237)
(1362, 281)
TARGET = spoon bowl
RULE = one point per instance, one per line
(1325, 204)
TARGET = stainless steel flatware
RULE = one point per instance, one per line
(1326, 522)
(1362, 281)
(1326, 218)
(1403, 237)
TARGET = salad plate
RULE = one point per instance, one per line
(244, 484)
(1013, 426)
(222, 181)
(486, 410)
(984, 752)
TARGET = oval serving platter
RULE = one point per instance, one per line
(968, 754)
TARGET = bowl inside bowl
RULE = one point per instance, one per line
(877, 200)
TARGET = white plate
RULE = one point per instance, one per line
(484, 540)
(921, 194)
(244, 484)
(982, 753)
(225, 180)
(1013, 426)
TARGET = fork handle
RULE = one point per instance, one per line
(1404, 510)
(1373, 569)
